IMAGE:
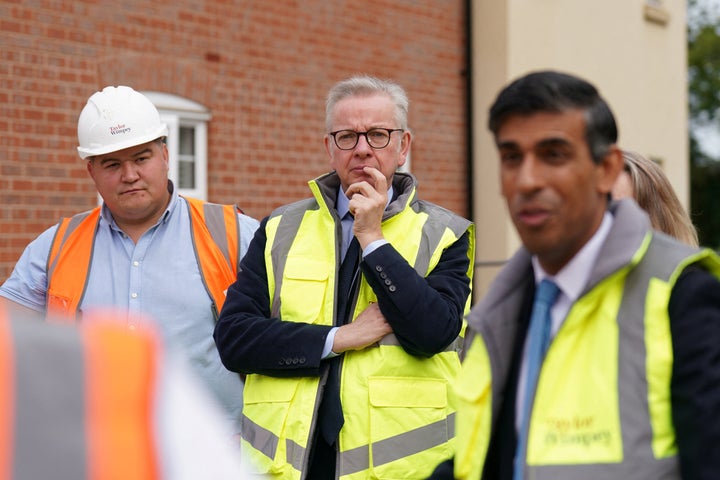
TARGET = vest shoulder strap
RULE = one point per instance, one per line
(68, 263)
(216, 242)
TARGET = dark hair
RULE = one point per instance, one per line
(549, 91)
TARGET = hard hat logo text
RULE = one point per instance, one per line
(119, 129)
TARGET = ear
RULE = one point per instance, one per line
(89, 167)
(166, 156)
(609, 169)
(326, 141)
(404, 147)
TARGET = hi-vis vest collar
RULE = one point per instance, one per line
(216, 242)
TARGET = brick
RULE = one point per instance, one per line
(262, 70)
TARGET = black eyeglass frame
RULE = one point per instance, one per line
(364, 134)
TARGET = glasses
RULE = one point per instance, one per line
(375, 137)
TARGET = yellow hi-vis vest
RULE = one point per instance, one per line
(398, 420)
(215, 236)
(602, 407)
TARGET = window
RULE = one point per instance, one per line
(656, 12)
(187, 142)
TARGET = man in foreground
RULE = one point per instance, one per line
(613, 370)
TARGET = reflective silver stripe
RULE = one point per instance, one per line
(658, 262)
(627, 470)
(429, 240)
(267, 443)
(353, 461)
(50, 424)
(295, 454)
(215, 222)
(287, 230)
(398, 447)
(260, 438)
(433, 229)
(72, 225)
(391, 340)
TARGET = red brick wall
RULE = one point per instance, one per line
(262, 69)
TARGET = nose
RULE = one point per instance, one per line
(129, 171)
(529, 175)
(363, 148)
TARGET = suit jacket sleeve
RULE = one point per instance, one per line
(695, 326)
(425, 313)
(249, 340)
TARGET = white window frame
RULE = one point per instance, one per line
(179, 112)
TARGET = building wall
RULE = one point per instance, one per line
(261, 68)
(633, 51)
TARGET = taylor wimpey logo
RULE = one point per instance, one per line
(119, 129)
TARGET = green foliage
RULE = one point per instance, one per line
(704, 109)
(705, 179)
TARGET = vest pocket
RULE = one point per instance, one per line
(409, 426)
(59, 306)
(303, 290)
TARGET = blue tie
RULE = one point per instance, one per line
(538, 340)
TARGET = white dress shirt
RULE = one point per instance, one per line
(572, 280)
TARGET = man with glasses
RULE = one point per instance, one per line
(347, 313)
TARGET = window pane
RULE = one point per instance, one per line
(186, 165)
(187, 141)
(186, 174)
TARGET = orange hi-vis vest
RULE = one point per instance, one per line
(216, 243)
(77, 402)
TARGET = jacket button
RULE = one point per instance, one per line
(388, 281)
(378, 268)
(383, 275)
(392, 288)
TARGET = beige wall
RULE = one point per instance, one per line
(633, 53)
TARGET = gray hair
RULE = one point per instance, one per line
(366, 85)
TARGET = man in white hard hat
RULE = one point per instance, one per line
(146, 251)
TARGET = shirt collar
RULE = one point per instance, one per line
(574, 276)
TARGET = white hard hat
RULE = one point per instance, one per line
(117, 118)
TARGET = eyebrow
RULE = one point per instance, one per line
(553, 142)
(507, 144)
(134, 155)
(546, 142)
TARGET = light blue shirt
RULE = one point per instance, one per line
(158, 278)
(343, 207)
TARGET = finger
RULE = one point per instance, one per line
(359, 188)
(379, 180)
